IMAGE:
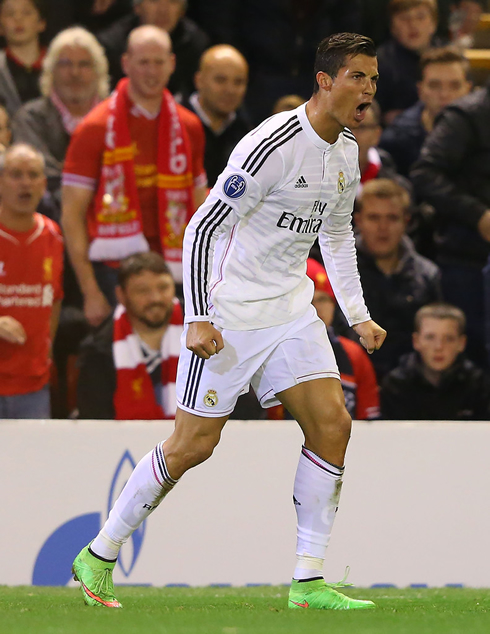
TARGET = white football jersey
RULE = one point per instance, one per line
(246, 247)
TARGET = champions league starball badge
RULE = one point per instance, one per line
(235, 186)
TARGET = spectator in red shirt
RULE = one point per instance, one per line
(133, 174)
(31, 264)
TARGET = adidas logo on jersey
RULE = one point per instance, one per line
(301, 182)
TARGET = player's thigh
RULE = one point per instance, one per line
(316, 403)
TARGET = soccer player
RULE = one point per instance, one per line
(249, 318)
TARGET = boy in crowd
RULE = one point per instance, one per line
(412, 25)
(21, 23)
(31, 265)
(444, 78)
(435, 382)
(128, 366)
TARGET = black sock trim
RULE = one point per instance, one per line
(109, 561)
(309, 579)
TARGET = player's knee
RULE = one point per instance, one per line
(199, 449)
(334, 425)
(344, 422)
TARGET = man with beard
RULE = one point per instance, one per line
(128, 365)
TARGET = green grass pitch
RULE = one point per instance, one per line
(257, 610)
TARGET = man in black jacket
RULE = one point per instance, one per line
(221, 83)
(453, 175)
(396, 280)
(436, 382)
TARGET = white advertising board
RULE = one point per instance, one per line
(414, 506)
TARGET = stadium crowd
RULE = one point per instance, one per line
(117, 116)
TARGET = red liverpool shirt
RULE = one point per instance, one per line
(31, 269)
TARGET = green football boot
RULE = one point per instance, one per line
(95, 577)
(319, 595)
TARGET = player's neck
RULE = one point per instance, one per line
(15, 221)
(152, 105)
(27, 53)
(324, 124)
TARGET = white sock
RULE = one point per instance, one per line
(147, 486)
(316, 497)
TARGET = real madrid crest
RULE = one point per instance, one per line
(211, 398)
(341, 183)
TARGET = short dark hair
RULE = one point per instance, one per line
(440, 310)
(444, 55)
(140, 262)
(333, 51)
(39, 5)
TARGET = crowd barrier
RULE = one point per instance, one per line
(414, 506)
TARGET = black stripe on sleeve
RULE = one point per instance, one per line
(296, 126)
(194, 247)
(200, 248)
(203, 253)
(259, 147)
(274, 147)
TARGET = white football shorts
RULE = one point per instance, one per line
(270, 359)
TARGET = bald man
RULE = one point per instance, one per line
(31, 267)
(221, 83)
(133, 175)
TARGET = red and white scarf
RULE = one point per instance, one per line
(116, 227)
(134, 398)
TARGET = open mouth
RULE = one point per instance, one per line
(361, 110)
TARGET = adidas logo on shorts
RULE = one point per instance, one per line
(301, 182)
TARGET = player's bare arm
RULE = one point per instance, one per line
(75, 203)
(371, 335)
(204, 339)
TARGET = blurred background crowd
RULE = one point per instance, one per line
(117, 116)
